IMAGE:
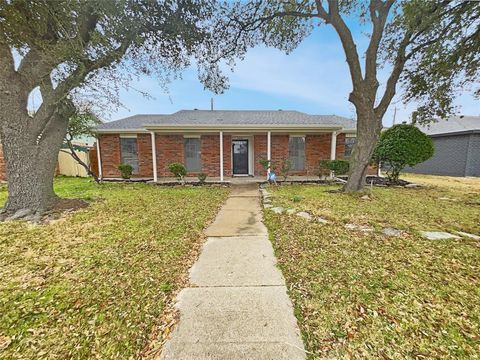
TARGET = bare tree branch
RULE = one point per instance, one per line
(348, 43)
(378, 15)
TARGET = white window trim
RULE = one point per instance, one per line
(128, 136)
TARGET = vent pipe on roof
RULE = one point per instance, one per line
(211, 104)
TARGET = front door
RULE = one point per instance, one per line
(240, 157)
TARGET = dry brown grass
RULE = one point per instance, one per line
(368, 296)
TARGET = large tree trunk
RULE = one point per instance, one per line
(368, 132)
(31, 159)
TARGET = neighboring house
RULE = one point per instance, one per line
(222, 143)
(457, 147)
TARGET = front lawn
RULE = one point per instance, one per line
(94, 283)
(365, 295)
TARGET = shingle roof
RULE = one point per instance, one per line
(453, 124)
(229, 117)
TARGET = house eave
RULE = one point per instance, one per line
(251, 128)
(242, 128)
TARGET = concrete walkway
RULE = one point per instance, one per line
(237, 305)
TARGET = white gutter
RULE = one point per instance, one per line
(269, 151)
(221, 156)
(99, 160)
(154, 157)
(249, 127)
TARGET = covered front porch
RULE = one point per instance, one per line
(235, 156)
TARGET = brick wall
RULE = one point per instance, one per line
(340, 149)
(317, 147)
(210, 148)
(145, 160)
(110, 154)
(169, 149)
(279, 151)
(227, 155)
(260, 152)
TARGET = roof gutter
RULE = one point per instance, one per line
(243, 127)
(226, 127)
(455, 133)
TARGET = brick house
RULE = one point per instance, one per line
(222, 144)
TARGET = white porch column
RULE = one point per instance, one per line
(154, 156)
(333, 148)
(269, 150)
(221, 156)
(99, 160)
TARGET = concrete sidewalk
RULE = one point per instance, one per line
(237, 305)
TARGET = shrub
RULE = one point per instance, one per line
(266, 164)
(178, 170)
(125, 171)
(202, 177)
(339, 167)
(286, 167)
(402, 145)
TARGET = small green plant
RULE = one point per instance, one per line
(266, 164)
(338, 167)
(297, 198)
(125, 171)
(178, 170)
(202, 177)
(286, 167)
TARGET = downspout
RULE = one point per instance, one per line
(154, 156)
(99, 160)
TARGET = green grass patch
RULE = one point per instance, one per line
(94, 283)
(365, 295)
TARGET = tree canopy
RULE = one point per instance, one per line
(84, 51)
(402, 37)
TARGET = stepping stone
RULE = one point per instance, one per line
(391, 231)
(277, 210)
(365, 228)
(465, 234)
(447, 199)
(412, 186)
(267, 206)
(351, 226)
(362, 228)
(267, 201)
(438, 235)
(322, 220)
(304, 215)
(291, 211)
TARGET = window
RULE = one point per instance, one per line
(192, 151)
(349, 142)
(296, 152)
(128, 152)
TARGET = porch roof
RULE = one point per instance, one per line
(235, 120)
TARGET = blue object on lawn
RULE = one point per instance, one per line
(272, 177)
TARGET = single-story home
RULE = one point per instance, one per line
(222, 143)
(457, 147)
